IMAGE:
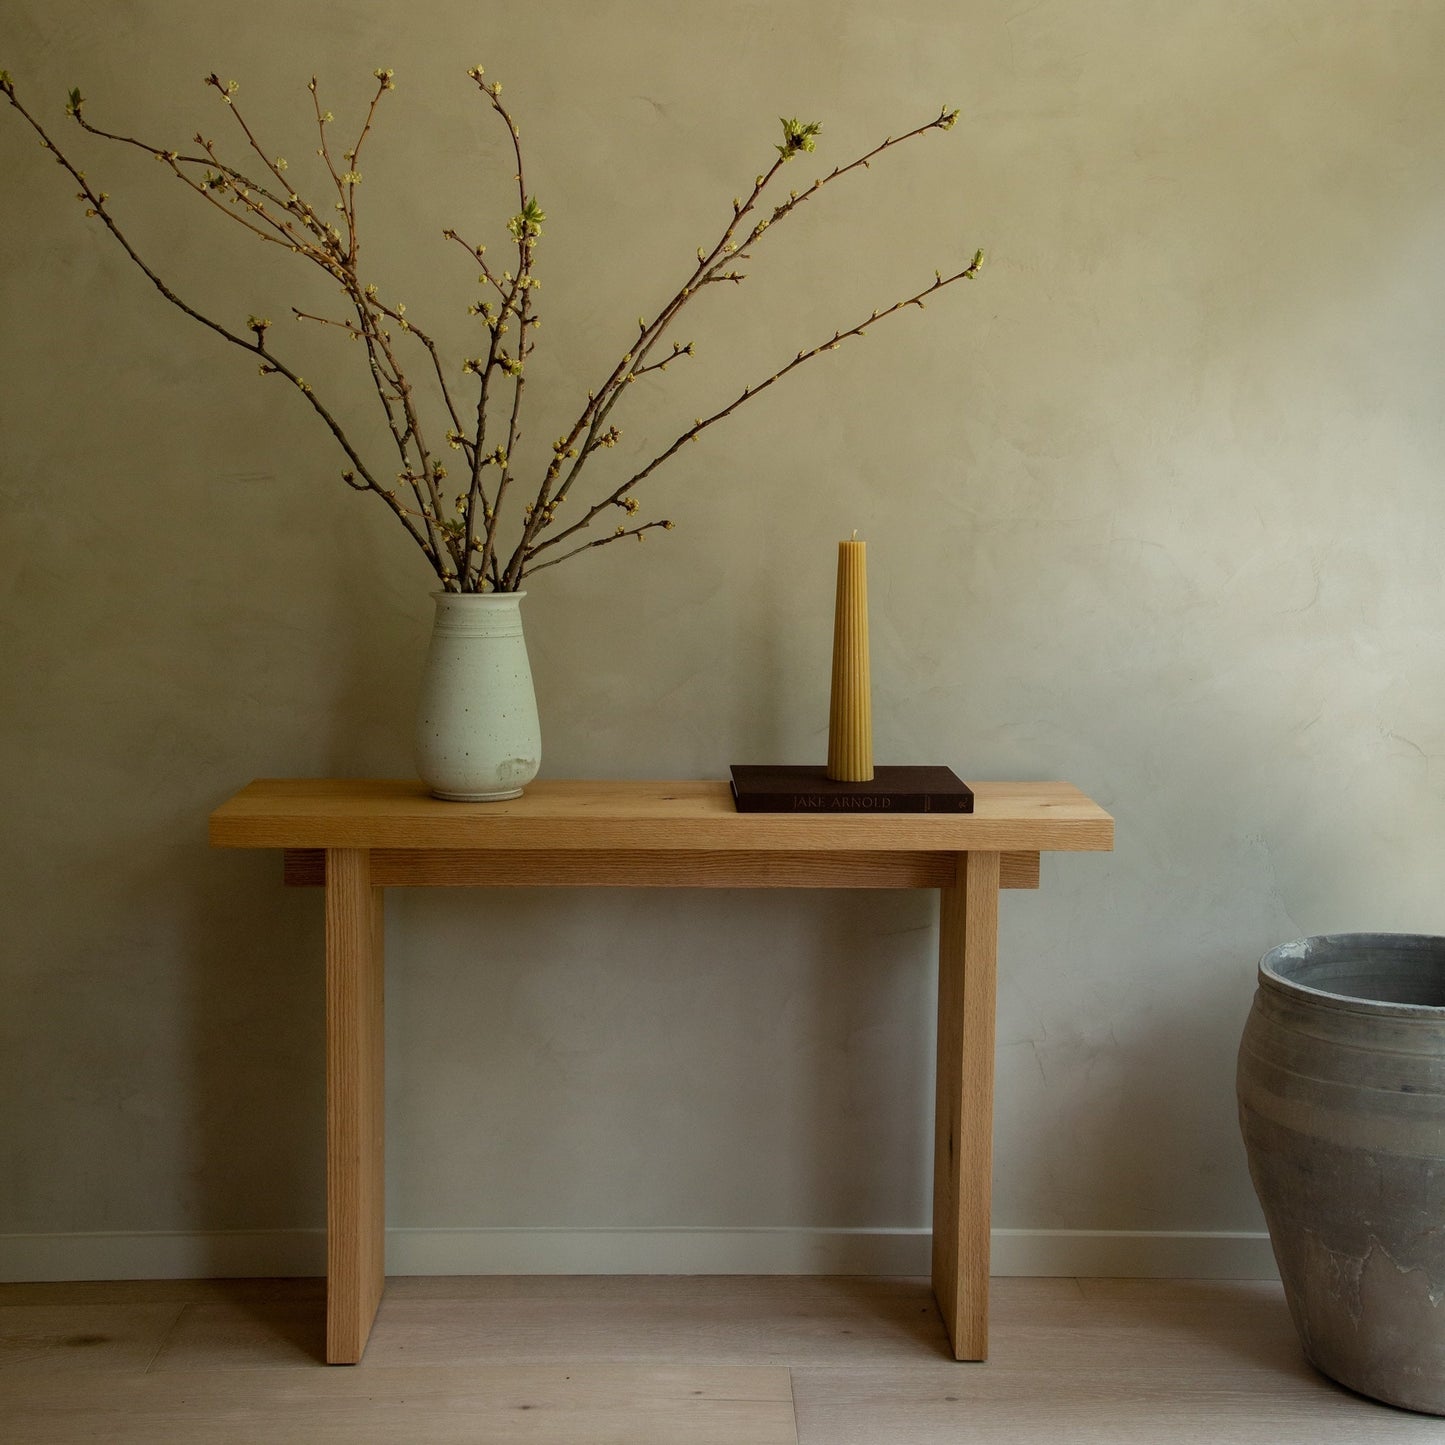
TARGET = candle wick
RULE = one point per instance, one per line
(855, 534)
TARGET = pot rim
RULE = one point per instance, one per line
(444, 596)
(1270, 977)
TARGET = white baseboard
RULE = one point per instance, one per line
(278, 1253)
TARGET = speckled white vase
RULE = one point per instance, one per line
(477, 734)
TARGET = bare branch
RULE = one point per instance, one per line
(616, 536)
(748, 394)
(460, 538)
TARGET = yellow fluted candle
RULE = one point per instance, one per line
(850, 717)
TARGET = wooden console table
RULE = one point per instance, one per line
(358, 838)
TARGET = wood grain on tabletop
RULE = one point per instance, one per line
(689, 816)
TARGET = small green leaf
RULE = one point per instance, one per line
(528, 222)
(797, 136)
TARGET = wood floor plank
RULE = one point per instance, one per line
(1193, 1363)
(699, 1361)
(1210, 1293)
(461, 1405)
(77, 1340)
(157, 1291)
(238, 1335)
(1095, 1406)
(734, 1320)
(782, 1320)
(762, 1292)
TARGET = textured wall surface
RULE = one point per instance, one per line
(1154, 506)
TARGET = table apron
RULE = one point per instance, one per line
(642, 868)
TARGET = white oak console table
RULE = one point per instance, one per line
(358, 838)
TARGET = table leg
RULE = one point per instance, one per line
(963, 1128)
(355, 1116)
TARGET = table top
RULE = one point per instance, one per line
(696, 815)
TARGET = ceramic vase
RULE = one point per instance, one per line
(477, 734)
(1342, 1104)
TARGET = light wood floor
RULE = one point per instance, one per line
(685, 1361)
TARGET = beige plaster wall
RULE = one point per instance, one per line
(1154, 506)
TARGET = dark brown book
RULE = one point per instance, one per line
(785, 789)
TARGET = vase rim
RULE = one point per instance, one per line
(1276, 973)
(479, 596)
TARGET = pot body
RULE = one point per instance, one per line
(1341, 1090)
(477, 733)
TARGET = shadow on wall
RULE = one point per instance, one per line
(866, 1030)
(658, 1058)
(254, 1018)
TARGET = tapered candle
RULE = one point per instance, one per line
(850, 717)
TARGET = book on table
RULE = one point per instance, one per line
(783, 788)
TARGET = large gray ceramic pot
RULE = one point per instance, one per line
(1342, 1103)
